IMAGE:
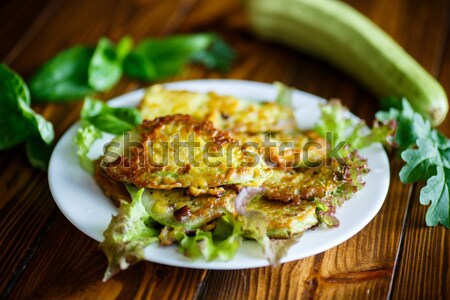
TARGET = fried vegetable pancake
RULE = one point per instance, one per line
(174, 207)
(286, 219)
(294, 149)
(179, 152)
(225, 112)
(314, 183)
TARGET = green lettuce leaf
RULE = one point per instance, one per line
(128, 234)
(284, 94)
(341, 129)
(222, 243)
(83, 140)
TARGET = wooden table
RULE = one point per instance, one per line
(44, 256)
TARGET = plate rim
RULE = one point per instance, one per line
(223, 265)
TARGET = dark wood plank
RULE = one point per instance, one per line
(357, 268)
(423, 267)
(69, 265)
(140, 20)
(28, 210)
(20, 22)
(64, 264)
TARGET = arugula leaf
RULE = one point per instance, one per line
(437, 192)
(64, 77)
(85, 137)
(105, 68)
(426, 153)
(421, 162)
(115, 120)
(410, 125)
(154, 59)
(128, 234)
(19, 123)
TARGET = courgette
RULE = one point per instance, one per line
(335, 32)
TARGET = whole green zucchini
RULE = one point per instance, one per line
(334, 31)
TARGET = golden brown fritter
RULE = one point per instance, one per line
(286, 219)
(287, 150)
(179, 152)
(225, 112)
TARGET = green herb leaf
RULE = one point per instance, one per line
(421, 162)
(18, 122)
(154, 59)
(115, 120)
(128, 234)
(426, 153)
(218, 56)
(105, 68)
(437, 192)
(64, 77)
(38, 153)
(410, 125)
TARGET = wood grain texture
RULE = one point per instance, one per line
(425, 251)
(45, 257)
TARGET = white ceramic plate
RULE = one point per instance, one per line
(83, 203)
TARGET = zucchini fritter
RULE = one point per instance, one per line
(225, 112)
(286, 219)
(175, 207)
(294, 149)
(179, 152)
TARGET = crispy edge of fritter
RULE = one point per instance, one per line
(131, 170)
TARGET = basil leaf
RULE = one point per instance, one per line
(105, 68)
(40, 126)
(218, 56)
(14, 129)
(64, 77)
(158, 58)
(115, 120)
(17, 120)
(38, 153)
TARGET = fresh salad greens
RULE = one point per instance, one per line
(96, 118)
(425, 150)
(128, 233)
(82, 70)
(19, 123)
